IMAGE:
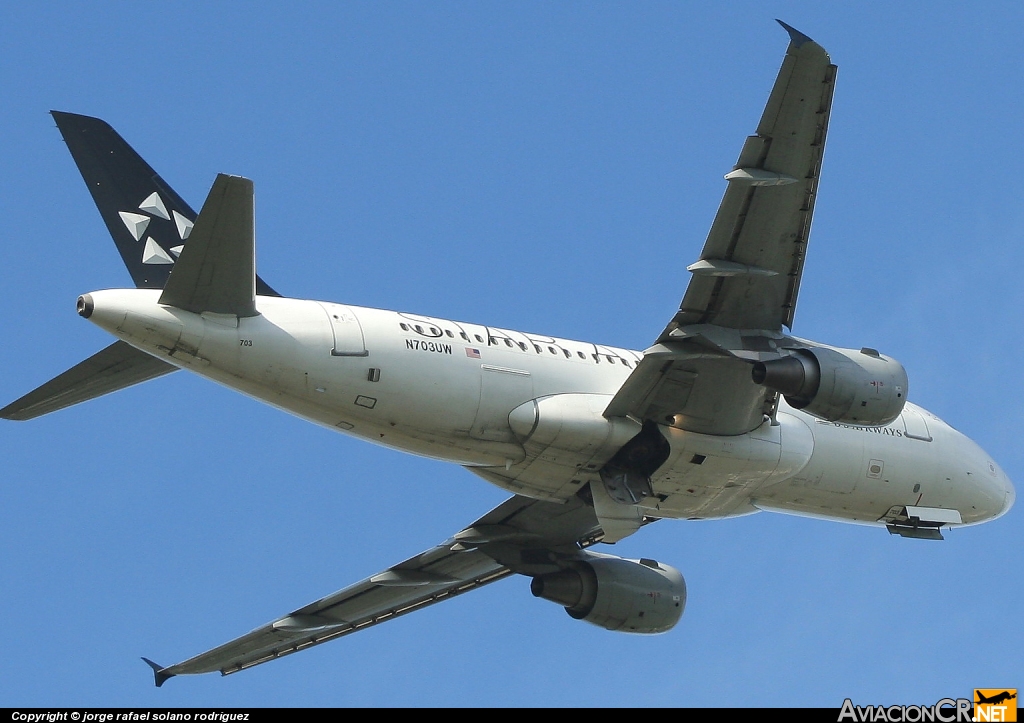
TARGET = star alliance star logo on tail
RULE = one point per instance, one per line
(138, 223)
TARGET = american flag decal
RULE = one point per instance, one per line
(472, 353)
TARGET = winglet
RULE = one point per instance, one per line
(159, 676)
(795, 36)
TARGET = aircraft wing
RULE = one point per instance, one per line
(749, 272)
(743, 289)
(520, 535)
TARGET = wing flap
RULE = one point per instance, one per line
(117, 367)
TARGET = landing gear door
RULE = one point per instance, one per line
(348, 334)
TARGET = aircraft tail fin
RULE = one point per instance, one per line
(149, 222)
(216, 271)
(116, 367)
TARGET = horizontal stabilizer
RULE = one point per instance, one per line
(216, 271)
(117, 367)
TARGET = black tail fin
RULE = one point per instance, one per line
(148, 221)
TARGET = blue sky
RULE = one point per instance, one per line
(545, 167)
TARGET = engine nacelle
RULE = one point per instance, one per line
(634, 596)
(840, 385)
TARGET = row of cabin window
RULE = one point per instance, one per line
(434, 331)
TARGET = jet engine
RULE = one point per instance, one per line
(634, 596)
(840, 385)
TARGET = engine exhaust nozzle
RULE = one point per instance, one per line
(797, 377)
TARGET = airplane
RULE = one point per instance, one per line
(995, 699)
(725, 414)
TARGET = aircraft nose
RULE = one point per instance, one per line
(998, 492)
(1009, 492)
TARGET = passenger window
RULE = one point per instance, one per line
(552, 350)
(448, 333)
(567, 354)
(522, 345)
(508, 342)
(479, 338)
(611, 360)
(418, 328)
(537, 348)
(582, 355)
(405, 327)
(464, 335)
(624, 362)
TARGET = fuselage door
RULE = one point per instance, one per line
(348, 334)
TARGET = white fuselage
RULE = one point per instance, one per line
(524, 411)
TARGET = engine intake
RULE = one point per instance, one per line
(840, 385)
(636, 596)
